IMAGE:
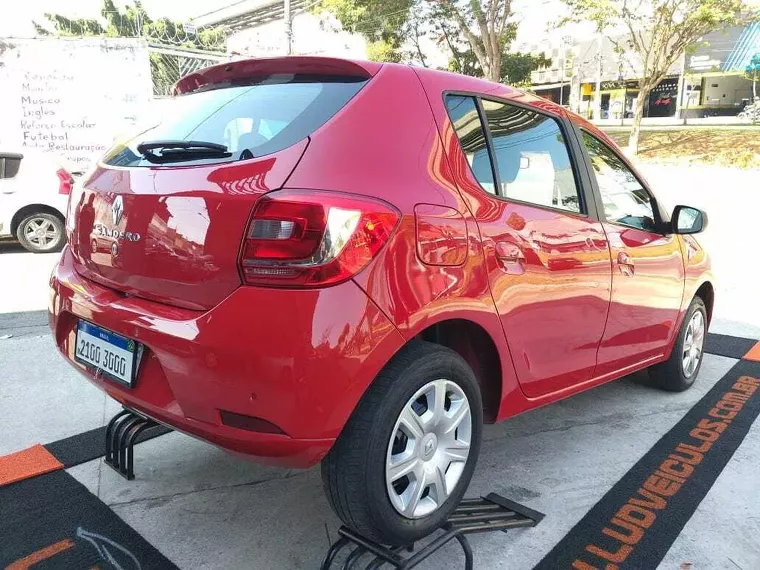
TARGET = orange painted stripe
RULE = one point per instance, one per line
(30, 462)
(754, 353)
(41, 554)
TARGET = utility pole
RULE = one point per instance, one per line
(681, 90)
(563, 55)
(288, 26)
(598, 92)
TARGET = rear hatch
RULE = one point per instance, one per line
(163, 215)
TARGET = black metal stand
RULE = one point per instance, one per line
(490, 513)
(121, 436)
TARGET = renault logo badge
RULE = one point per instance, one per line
(117, 210)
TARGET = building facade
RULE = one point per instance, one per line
(579, 66)
(715, 80)
(710, 80)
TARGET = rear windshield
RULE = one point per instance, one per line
(250, 120)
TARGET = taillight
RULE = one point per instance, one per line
(65, 182)
(310, 238)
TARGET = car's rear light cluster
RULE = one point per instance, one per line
(65, 182)
(310, 238)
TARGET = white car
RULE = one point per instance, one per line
(34, 191)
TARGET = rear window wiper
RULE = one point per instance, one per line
(178, 151)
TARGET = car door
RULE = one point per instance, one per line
(648, 270)
(10, 163)
(546, 254)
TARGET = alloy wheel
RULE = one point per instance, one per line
(693, 344)
(41, 233)
(428, 448)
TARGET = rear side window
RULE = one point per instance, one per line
(9, 165)
(531, 157)
(463, 113)
(251, 120)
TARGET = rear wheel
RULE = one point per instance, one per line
(407, 454)
(679, 372)
(41, 233)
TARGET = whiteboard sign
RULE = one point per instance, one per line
(71, 97)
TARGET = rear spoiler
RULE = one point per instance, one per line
(238, 71)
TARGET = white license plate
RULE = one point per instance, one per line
(113, 355)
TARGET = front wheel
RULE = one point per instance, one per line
(679, 372)
(407, 454)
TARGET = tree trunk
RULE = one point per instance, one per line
(633, 141)
(496, 68)
(494, 72)
(754, 87)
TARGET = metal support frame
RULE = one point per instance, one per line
(121, 436)
(490, 513)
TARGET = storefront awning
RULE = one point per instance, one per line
(546, 86)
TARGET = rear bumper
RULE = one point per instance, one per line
(298, 359)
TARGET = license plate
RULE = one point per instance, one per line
(110, 354)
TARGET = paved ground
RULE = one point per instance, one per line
(23, 278)
(206, 509)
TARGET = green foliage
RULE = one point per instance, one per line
(752, 72)
(753, 67)
(133, 22)
(383, 23)
(71, 28)
(383, 51)
(476, 33)
(515, 67)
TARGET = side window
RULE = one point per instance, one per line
(9, 165)
(463, 113)
(531, 157)
(624, 199)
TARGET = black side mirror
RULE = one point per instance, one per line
(688, 220)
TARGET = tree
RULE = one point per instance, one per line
(487, 28)
(515, 67)
(658, 32)
(752, 72)
(383, 23)
(134, 22)
(476, 33)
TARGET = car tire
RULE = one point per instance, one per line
(41, 233)
(377, 444)
(679, 372)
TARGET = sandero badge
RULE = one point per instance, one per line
(117, 214)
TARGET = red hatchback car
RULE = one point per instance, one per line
(314, 259)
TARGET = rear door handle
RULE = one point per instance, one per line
(509, 252)
(625, 263)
